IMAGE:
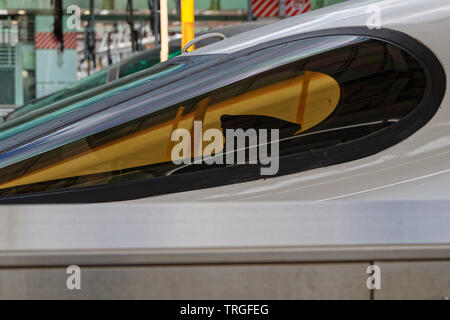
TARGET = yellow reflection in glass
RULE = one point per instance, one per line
(306, 100)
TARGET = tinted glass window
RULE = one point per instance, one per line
(319, 93)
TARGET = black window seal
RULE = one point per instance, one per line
(294, 163)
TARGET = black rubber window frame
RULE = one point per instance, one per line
(289, 164)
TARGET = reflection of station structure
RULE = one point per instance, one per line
(110, 30)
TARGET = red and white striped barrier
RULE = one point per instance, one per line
(271, 8)
(47, 40)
